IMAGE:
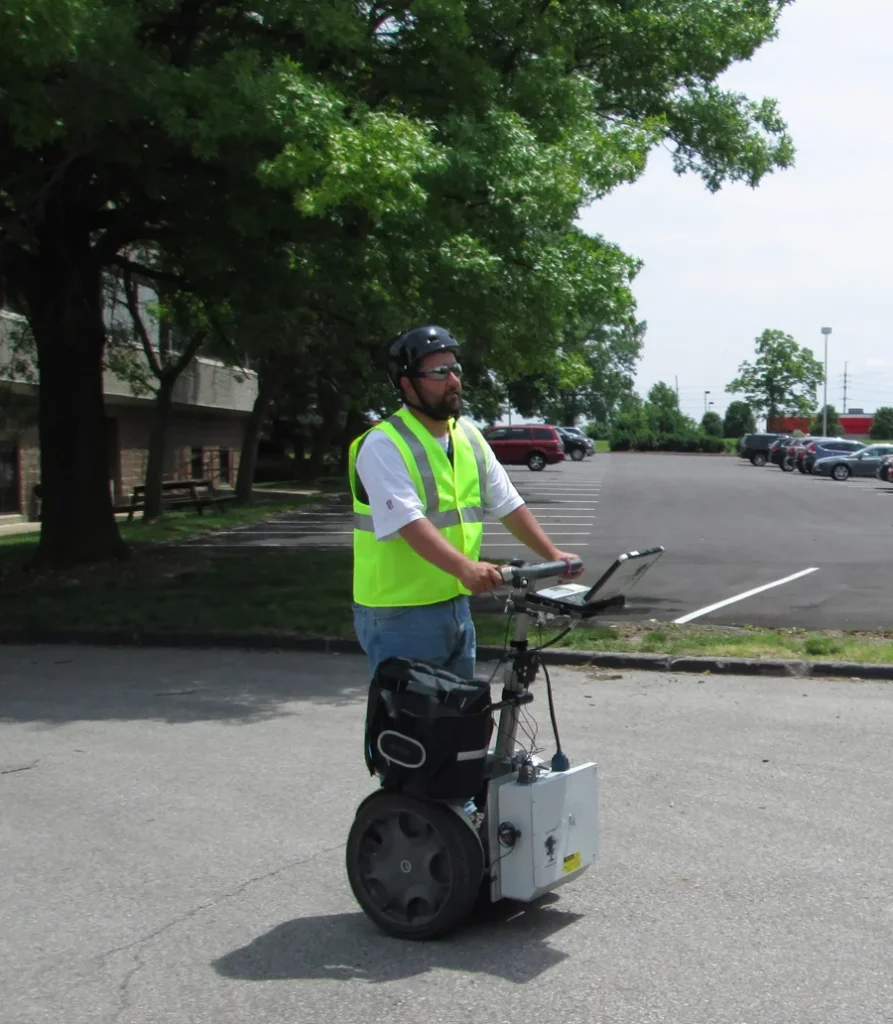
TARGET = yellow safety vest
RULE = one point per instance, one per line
(389, 573)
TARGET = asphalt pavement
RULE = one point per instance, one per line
(744, 545)
(173, 825)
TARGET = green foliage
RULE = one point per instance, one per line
(882, 424)
(816, 427)
(739, 420)
(688, 442)
(821, 646)
(711, 424)
(662, 413)
(587, 378)
(328, 172)
(783, 378)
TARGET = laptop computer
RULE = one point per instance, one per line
(609, 590)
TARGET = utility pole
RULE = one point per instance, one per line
(845, 365)
(825, 331)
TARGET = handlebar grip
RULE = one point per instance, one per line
(539, 570)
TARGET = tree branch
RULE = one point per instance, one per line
(187, 355)
(132, 298)
(151, 273)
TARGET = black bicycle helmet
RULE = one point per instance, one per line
(410, 349)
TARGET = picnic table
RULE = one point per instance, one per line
(175, 493)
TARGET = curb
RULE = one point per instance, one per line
(341, 645)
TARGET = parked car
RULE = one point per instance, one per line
(590, 444)
(825, 448)
(576, 446)
(862, 463)
(533, 445)
(885, 469)
(797, 451)
(755, 447)
(778, 450)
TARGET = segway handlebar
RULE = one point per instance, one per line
(519, 574)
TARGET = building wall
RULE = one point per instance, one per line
(853, 425)
(198, 445)
(211, 400)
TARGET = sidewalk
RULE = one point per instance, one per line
(11, 526)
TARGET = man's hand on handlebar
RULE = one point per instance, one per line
(566, 556)
(480, 577)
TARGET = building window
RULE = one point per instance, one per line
(196, 464)
(225, 467)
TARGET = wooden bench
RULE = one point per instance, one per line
(177, 493)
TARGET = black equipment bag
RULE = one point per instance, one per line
(427, 730)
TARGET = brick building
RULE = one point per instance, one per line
(854, 424)
(211, 403)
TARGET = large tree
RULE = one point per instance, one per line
(882, 424)
(221, 134)
(817, 426)
(783, 378)
(585, 378)
(739, 420)
(662, 412)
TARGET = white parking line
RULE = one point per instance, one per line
(740, 597)
(297, 533)
(518, 544)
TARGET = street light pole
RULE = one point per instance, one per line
(826, 331)
(706, 393)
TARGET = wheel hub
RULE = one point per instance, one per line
(405, 867)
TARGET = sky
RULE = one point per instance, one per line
(809, 248)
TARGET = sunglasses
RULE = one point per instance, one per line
(441, 372)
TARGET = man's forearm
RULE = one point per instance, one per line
(522, 525)
(422, 536)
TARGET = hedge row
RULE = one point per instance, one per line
(667, 443)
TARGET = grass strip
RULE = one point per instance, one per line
(307, 592)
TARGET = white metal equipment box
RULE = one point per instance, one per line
(557, 818)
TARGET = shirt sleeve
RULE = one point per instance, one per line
(502, 496)
(393, 499)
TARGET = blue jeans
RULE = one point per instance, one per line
(441, 634)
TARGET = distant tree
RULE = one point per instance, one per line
(882, 424)
(782, 379)
(817, 425)
(712, 424)
(662, 410)
(739, 420)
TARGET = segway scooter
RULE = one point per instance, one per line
(456, 821)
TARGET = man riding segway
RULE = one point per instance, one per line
(422, 482)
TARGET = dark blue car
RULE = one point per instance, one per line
(824, 449)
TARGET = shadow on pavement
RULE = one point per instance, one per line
(508, 941)
(56, 685)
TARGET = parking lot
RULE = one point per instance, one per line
(816, 545)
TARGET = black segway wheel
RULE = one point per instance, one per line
(415, 867)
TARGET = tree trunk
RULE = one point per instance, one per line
(353, 427)
(330, 402)
(64, 297)
(267, 383)
(158, 447)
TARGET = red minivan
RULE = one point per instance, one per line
(532, 445)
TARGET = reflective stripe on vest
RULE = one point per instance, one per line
(389, 573)
(474, 514)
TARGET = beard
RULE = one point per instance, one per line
(445, 408)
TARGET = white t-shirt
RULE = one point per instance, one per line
(393, 498)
